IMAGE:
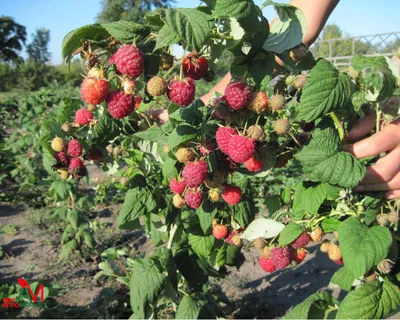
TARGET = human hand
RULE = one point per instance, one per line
(160, 114)
(385, 174)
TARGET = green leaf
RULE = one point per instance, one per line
(153, 134)
(201, 245)
(61, 188)
(73, 218)
(243, 212)
(330, 224)
(343, 278)
(188, 308)
(180, 135)
(137, 203)
(232, 253)
(169, 170)
(373, 300)
(289, 233)
(191, 25)
(332, 192)
(126, 31)
(308, 198)
(265, 228)
(74, 39)
(238, 9)
(377, 77)
(48, 161)
(326, 89)
(145, 285)
(286, 195)
(323, 161)
(205, 217)
(105, 130)
(362, 247)
(321, 300)
(273, 204)
(288, 29)
(221, 255)
(89, 240)
(166, 37)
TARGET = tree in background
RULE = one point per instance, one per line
(131, 10)
(38, 48)
(12, 38)
(339, 48)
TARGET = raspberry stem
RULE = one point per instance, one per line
(295, 140)
(172, 234)
(338, 125)
(72, 201)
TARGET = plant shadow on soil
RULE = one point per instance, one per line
(249, 292)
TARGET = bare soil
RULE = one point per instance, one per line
(251, 293)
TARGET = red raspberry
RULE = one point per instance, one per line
(128, 60)
(220, 231)
(195, 173)
(232, 195)
(112, 61)
(231, 234)
(281, 257)
(240, 148)
(194, 67)
(223, 136)
(253, 165)
(74, 148)
(301, 241)
(298, 255)
(177, 186)
(194, 198)
(266, 264)
(95, 154)
(120, 104)
(94, 91)
(206, 148)
(138, 101)
(238, 95)
(75, 165)
(83, 116)
(62, 159)
(181, 92)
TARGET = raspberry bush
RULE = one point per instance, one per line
(190, 182)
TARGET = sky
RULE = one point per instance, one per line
(354, 17)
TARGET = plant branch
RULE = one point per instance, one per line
(296, 141)
(72, 200)
(378, 119)
(172, 235)
(339, 125)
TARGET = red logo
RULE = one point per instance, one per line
(25, 295)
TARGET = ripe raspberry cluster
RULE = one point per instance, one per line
(195, 178)
(230, 235)
(69, 163)
(273, 258)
